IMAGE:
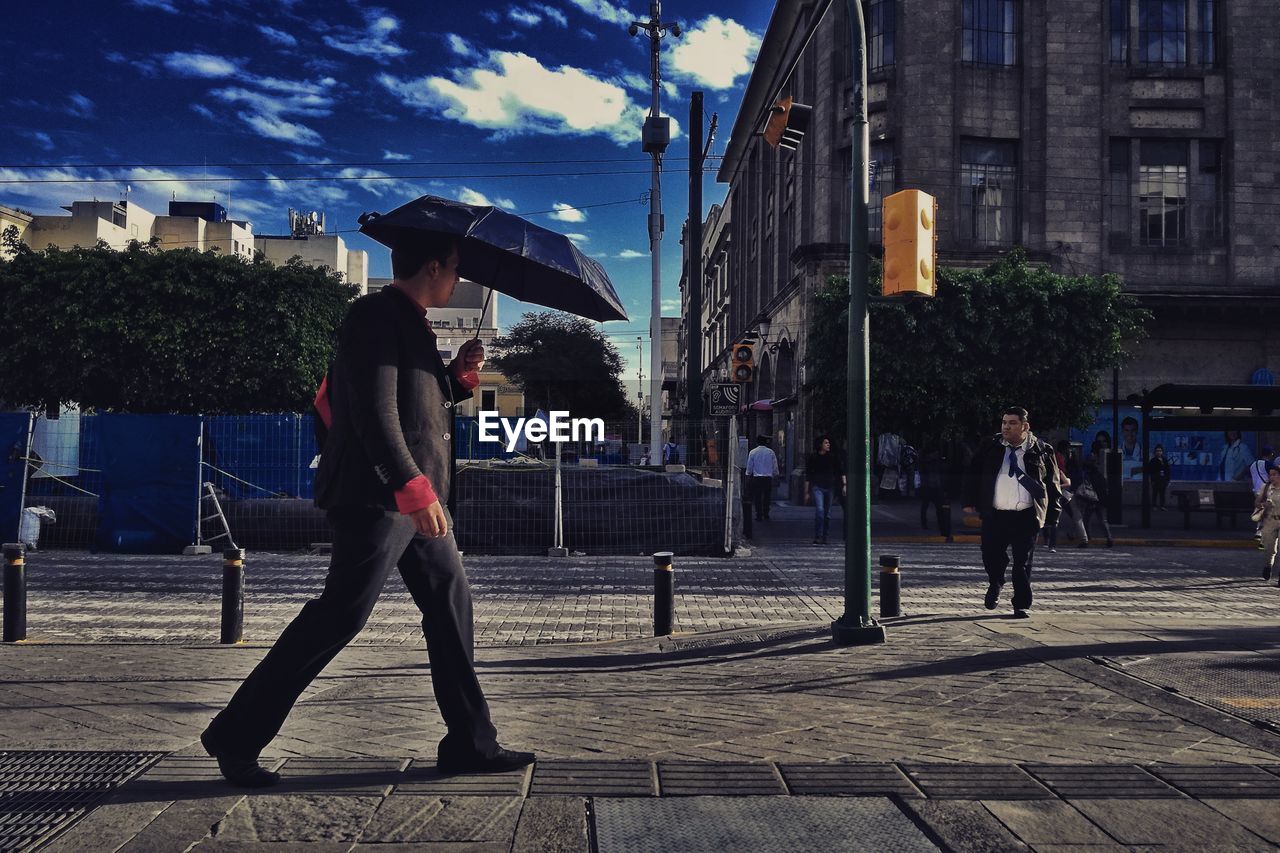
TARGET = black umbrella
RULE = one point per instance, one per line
(507, 253)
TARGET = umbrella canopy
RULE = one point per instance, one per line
(507, 253)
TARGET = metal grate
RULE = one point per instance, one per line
(42, 793)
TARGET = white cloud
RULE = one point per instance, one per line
(552, 14)
(715, 52)
(202, 110)
(466, 195)
(375, 41)
(162, 5)
(513, 93)
(505, 203)
(670, 305)
(273, 126)
(392, 155)
(578, 239)
(306, 194)
(567, 213)
(80, 106)
(604, 11)
(460, 46)
(379, 183)
(40, 138)
(277, 36)
(301, 104)
(629, 254)
(524, 17)
(200, 65)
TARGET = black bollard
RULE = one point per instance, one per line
(232, 595)
(664, 594)
(15, 592)
(890, 587)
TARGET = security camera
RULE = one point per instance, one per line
(632, 30)
(675, 30)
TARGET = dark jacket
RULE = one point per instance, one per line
(392, 400)
(1039, 464)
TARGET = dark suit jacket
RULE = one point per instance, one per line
(392, 400)
(988, 464)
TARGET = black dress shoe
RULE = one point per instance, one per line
(1266, 573)
(500, 762)
(1021, 614)
(993, 596)
(241, 771)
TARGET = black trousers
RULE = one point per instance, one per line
(367, 542)
(941, 508)
(762, 495)
(748, 502)
(1010, 531)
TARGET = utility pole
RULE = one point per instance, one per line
(639, 390)
(693, 279)
(655, 136)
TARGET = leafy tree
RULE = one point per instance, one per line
(1012, 334)
(145, 330)
(565, 363)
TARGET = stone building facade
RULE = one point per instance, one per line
(1135, 137)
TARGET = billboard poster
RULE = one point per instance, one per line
(1193, 454)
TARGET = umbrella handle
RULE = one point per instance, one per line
(482, 312)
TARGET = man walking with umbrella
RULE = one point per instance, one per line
(384, 477)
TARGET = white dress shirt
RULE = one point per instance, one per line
(1010, 495)
(761, 462)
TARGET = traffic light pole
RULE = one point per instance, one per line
(856, 627)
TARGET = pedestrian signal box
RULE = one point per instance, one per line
(910, 244)
(744, 362)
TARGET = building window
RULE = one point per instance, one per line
(1118, 15)
(1162, 32)
(1208, 20)
(990, 32)
(1162, 192)
(1208, 189)
(881, 183)
(988, 192)
(880, 35)
(488, 401)
(1118, 196)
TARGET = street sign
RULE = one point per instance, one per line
(726, 399)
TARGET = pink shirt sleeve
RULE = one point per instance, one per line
(415, 495)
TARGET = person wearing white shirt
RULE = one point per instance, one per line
(762, 467)
(1013, 485)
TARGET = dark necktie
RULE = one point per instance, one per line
(1014, 470)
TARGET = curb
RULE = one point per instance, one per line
(974, 539)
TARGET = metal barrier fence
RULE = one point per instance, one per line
(249, 484)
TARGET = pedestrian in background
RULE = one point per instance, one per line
(762, 467)
(933, 480)
(1157, 470)
(823, 474)
(1092, 493)
(1013, 485)
(1073, 474)
(1236, 457)
(1268, 505)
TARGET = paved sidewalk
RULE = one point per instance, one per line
(967, 731)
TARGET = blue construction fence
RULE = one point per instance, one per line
(139, 483)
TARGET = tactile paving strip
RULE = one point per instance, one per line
(976, 782)
(858, 780)
(708, 779)
(422, 778)
(593, 779)
(1100, 781)
(42, 792)
(1220, 781)
(755, 825)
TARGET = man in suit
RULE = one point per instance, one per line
(1012, 483)
(385, 474)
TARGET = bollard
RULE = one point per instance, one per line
(232, 595)
(664, 594)
(15, 592)
(890, 586)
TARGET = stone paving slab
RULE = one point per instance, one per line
(1176, 824)
(707, 779)
(422, 778)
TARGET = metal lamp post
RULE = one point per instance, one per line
(856, 627)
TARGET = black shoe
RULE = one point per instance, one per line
(1111, 543)
(500, 762)
(1266, 573)
(951, 538)
(1021, 614)
(241, 771)
(993, 596)
(1083, 545)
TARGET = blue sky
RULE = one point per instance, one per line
(349, 107)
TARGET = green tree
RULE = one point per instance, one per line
(565, 363)
(145, 330)
(1012, 334)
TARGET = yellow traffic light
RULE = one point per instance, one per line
(787, 124)
(910, 244)
(744, 362)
